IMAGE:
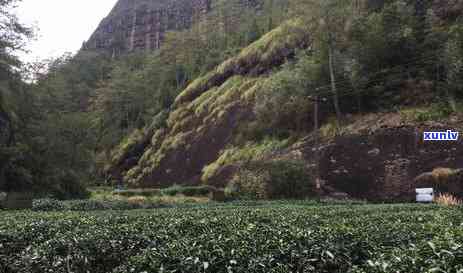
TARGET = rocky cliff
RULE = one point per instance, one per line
(135, 25)
(378, 156)
(206, 115)
(384, 159)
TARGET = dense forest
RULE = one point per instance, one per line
(69, 123)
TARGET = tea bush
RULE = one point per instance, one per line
(48, 205)
(89, 205)
(261, 237)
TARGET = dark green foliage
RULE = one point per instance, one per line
(67, 185)
(171, 191)
(265, 237)
(279, 179)
(16, 200)
(433, 112)
(188, 190)
(88, 205)
(52, 141)
(48, 205)
(289, 179)
(138, 192)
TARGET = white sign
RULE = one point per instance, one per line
(425, 195)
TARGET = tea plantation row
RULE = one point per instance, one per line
(277, 237)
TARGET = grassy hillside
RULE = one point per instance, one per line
(208, 112)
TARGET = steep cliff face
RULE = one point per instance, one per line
(135, 25)
(206, 115)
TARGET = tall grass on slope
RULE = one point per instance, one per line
(269, 51)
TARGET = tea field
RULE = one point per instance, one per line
(265, 237)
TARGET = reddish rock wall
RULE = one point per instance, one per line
(383, 165)
(135, 25)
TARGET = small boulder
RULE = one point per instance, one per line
(374, 152)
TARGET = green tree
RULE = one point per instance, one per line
(453, 62)
(13, 35)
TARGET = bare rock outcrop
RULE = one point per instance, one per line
(388, 164)
(137, 25)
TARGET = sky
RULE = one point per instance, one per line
(63, 25)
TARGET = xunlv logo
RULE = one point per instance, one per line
(441, 136)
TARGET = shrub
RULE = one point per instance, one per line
(442, 175)
(244, 154)
(125, 205)
(289, 179)
(278, 179)
(250, 184)
(86, 205)
(172, 190)
(48, 205)
(433, 112)
(330, 129)
(197, 191)
(187, 190)
(280, 106)
(68, 185)
(138, 192)
(446, 199)
(137, 200)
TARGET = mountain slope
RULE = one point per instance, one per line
(207, 114)
(258, 107)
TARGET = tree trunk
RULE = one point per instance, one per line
(316, 135)
(451, 100)
(2, 178)
(359, 101)
(333, 82)
(5, 143)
